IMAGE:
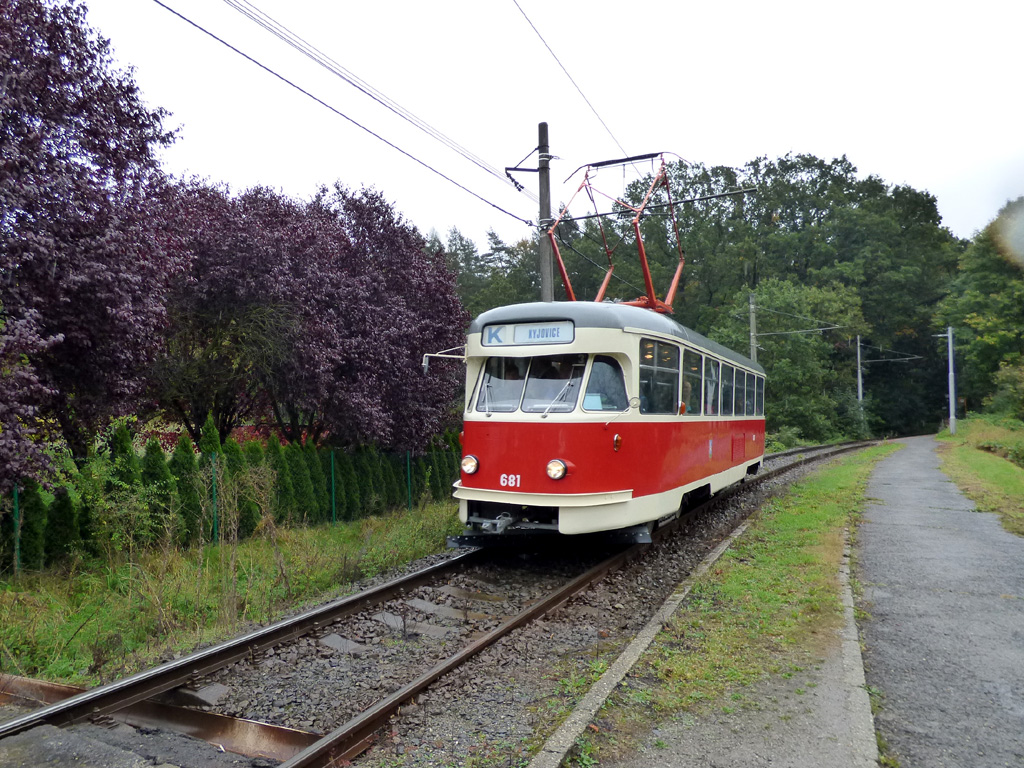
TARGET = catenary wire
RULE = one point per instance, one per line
(284, 34)
(336, 111)
(566, 71)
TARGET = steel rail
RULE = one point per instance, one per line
(349, 738)
(354, 737)
(106, 699)
(244, 737)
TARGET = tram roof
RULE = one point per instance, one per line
(590, 314)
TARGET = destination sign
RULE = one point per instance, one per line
(558, 332)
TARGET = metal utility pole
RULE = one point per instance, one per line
(753, 328)
(952, 382)
(547, 289)
(860, 375)
(952, 378)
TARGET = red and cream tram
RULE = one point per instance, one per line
(584, 417)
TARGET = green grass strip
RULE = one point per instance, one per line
(992, 482)
(771, 602)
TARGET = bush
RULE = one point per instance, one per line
(62, 534)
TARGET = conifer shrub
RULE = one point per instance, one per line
(62, 534)
(421, 479)
(350, 482)
(321, 490)
(157, 478)
(439, 471)
(328, 461)
(209, 438)
(183, 468)
(254, 455)
(123, 460)
(388, 480)
(235, 462)
(33, 527)
(306, 506)
(369, 492)
(285, 492)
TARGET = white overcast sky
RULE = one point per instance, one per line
(921, 93)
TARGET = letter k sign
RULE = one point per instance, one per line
(494, 334)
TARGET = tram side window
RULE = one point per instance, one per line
(759, 404)
(606, 388)
(727, 379)
(691, 382)
(502, 385)
(711, 386)
(739, 392)
(659, 377)
(750, 394)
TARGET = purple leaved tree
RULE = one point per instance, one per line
(81, 256)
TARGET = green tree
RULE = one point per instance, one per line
(985, 306)
(810, 375)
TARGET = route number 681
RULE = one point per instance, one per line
(511, 481)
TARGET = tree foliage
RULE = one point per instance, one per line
(81, 258)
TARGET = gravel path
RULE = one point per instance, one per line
(944, 587)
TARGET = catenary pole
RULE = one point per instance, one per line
(952, 382)
(860, 375)
(547, 290)
(753, 328)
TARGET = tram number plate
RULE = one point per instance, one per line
(511, 481)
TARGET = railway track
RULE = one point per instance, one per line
(430, 622)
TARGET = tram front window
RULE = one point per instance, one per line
(502, 387)
(553, 384)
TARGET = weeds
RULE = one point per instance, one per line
(96, 619)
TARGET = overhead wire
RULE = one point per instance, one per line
(338, 112)
(307, 49)
(571, 80)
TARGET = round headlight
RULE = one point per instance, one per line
(470, 464)
(557, 469)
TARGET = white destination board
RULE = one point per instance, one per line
(558, 332)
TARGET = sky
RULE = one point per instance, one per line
(919, 93)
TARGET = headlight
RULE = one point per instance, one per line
(470, 464)
(557, 469)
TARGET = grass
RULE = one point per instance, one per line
(93, 621)
(974, 460)
(770, 603)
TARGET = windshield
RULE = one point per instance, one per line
(548, 384)
(502, 387)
